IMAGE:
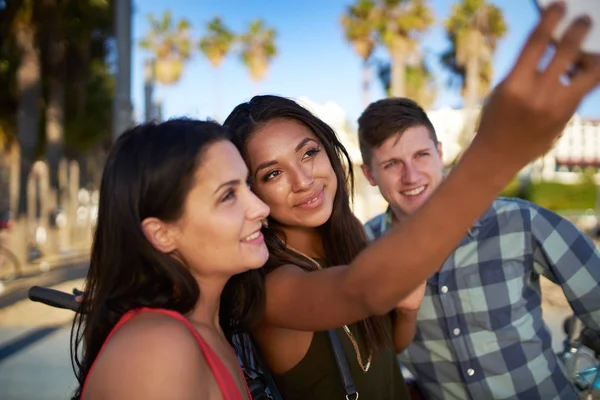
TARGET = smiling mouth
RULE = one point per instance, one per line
(310, 200)
(253, 236)
(414, 192)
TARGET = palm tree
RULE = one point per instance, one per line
(258, 49)
(474, 29)
(420, 83)
(399, 24)
(54, 41)
(28, 98)
(359, 25)
(215, 46)
(170, 44)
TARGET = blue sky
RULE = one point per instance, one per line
(313, 61)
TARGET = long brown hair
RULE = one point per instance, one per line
(148, 173)
(342, 235)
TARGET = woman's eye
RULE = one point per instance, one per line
(312, 152)
(271, 175)
(229, 195)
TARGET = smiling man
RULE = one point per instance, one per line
(480, 332)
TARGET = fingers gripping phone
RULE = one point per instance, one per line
(575, 9)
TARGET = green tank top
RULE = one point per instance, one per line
(317, 377)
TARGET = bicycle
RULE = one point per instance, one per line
(587, 380)
(10, 267)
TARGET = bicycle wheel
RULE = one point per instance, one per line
(9, 265)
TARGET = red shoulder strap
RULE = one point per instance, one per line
(220, 372)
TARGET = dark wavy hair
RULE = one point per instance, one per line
(148, 173)
(342, 235)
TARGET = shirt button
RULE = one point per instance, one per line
(444, 289)
(470, 372)
(456, 331)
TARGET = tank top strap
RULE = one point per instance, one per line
(222, 376)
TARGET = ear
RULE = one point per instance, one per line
(159, 235)
(367, 173)
(439, 150)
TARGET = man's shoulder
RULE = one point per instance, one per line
(376, 220)
(506, 204)
(520, 214)
(509, 207)
(376, 226)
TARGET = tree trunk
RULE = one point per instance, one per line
(472, 88)
(55, 114)
(82, 75)
(84, 179)
(29, 91)
(366, 80)
(149, 80)
(218, 91)
(398, 75)
(122, 107)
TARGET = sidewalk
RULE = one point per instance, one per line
(34, 350)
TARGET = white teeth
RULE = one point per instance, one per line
(313, 200)
(414, 192)
(252, 237)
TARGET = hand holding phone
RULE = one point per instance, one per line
(574, 9)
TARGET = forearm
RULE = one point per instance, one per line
(397, 263)
(405, 326)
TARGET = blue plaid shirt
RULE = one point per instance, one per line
(480, 332)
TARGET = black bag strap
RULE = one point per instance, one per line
(340, 358)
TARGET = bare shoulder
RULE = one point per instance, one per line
(311, 301)
(151, 356)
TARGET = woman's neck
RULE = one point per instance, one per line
(306, 240)
(206, 310)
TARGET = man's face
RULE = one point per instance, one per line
(407, 168)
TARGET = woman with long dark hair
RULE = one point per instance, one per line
(301, 170)
(176, 220)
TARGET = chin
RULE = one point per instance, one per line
(317, 219)
(260, 261)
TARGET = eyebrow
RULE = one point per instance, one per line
(233, 182)
(268, 164)
(397, 159)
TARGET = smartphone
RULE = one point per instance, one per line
(574, 9)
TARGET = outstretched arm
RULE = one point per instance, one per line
(524, 114)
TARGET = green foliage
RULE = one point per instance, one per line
(93, 126)
(468, 17)
(557, 196)
(420, 83)
(87, 26)
(258, 48)
(170, 44)
(401, 20)
(218, 42)
(359, 23)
